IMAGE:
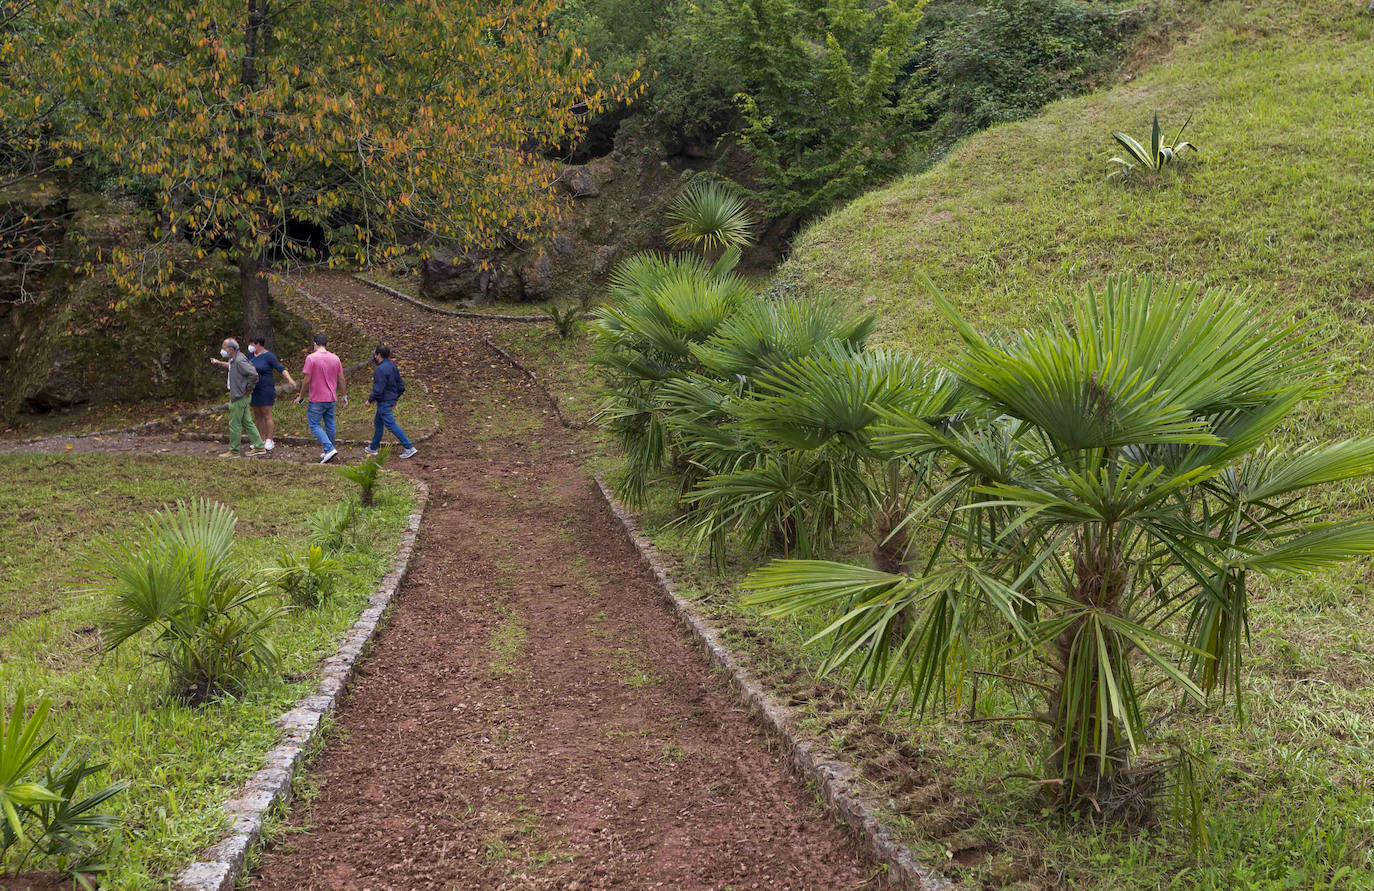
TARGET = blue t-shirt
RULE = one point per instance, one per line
(265, 363)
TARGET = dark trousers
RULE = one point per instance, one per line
(385, 419)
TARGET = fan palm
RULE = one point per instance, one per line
(180, 579)
(1097, 528)
(709, 215)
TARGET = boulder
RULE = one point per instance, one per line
(579, 182)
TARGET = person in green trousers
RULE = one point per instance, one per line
(242, 378)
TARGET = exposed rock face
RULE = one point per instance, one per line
(617, 209)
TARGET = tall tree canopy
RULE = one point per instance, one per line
(328, 131)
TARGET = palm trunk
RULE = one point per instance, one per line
(1076, 759)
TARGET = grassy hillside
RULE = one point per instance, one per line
(1278, 199)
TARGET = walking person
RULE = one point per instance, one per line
(266, 363)
(242, 378)
(322, 382)
(387, 387)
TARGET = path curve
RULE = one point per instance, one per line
(532, 716)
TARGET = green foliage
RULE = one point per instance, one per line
(44, 817)
(1160, 155)
(564, 320)
(249, 120)
(709, 215)
(308, 579)
(180, 579)
(365, 473)
(1104, 499)
(1001, 60)
(822, 115)
(329, 527)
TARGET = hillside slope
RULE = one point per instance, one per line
(1280, 198)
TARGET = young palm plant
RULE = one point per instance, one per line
(709, 215)
(1097, 530)
(180, 580)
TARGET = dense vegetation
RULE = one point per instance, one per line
(831, 97)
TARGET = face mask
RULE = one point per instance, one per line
(224, 354)
(252, 349)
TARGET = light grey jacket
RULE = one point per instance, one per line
(243, 377)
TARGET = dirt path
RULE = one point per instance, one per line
(531, 717)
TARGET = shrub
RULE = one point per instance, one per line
(43, 817)
(1106, 496)
(308, 579)
(180, 579)
(365, 474)
(1002, 60)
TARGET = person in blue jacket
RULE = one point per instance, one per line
(387, 387)
(266, 364)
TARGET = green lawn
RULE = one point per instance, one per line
(182, 761)
(1278, 201)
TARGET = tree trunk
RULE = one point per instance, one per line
(256, 296)
(256, 320)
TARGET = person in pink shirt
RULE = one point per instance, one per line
(322, 382)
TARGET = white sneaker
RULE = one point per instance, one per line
(410, 452)
(371, 453)
(269, 445)
(328, 456)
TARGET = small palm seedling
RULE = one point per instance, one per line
(181, 581)
(43, 817)
(708, 215)
(307, 579)
(329, 526)
(365, 474)
(564, 321)
(1159, 156)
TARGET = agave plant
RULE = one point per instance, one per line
(1098, 525)
(709, 215)
(180, 580)
(47, 811)
(1160, 155)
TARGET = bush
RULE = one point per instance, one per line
(307, 579)
(43, 817)
(1002, 60)
(181, 580)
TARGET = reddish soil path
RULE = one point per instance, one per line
(531, 716)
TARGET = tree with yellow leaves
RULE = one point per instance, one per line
(329, 132)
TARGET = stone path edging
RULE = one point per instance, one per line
(222, 864)
(838, 782)
(457, 313)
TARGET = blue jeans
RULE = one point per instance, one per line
(384, 418)
(320, 417)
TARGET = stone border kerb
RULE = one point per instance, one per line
(221, 865)
(839, 783)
